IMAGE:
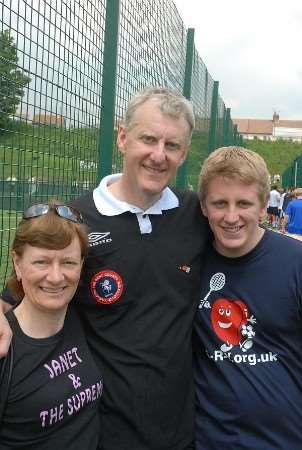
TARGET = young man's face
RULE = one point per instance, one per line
(233, 209)
(153, 148)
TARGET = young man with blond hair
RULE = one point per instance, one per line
(248, 330)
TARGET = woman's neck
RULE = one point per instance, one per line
(37, 323)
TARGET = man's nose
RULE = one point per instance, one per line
(158, 154)
(231, 215)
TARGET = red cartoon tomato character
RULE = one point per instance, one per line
(227, 319)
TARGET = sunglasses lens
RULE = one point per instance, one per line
(69, 213)
(66, 212)
(35, 211)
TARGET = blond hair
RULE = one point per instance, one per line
(298, 192)
(235, 162)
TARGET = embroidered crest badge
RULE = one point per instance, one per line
(106, 287)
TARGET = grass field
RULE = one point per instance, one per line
(8, 223)
(67, 157)
(47, 153)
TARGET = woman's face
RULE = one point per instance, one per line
(49, 277)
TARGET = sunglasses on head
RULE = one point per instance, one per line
(66, 212)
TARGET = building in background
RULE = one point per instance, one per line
(49, 119)
(270, 129)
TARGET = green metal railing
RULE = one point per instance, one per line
(292, 176)
(67, 72)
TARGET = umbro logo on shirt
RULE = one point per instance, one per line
(99, 238)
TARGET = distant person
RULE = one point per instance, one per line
(289, 195)
(286, 197)
(248, 333)
(55, 386)
(12, 182)
(32, 186)
(293, 214)
(273, 207)
(282, 193)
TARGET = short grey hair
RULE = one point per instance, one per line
(169, 102)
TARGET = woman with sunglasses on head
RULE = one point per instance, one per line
(50, 386)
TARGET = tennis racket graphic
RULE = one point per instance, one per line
(217, 282)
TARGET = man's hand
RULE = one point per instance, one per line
(5, 330)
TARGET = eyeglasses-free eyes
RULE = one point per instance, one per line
(66, 212)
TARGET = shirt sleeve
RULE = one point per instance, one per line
(8, 297)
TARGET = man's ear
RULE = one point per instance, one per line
(183, 157)
(203, 209)
(121, 138)
(263, 210)
(263, 213)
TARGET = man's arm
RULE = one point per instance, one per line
(5, 330)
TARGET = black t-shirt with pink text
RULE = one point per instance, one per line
(54, 392)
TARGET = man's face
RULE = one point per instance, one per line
(153, 148)
(233, 209)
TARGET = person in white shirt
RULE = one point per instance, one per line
(273, 207)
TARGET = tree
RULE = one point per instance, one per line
(12, 79)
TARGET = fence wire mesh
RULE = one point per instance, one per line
(48, 143)
(51, 81)
(292, 176)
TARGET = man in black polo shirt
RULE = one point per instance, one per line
(140, 283)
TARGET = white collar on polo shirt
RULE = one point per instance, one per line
(108, 205)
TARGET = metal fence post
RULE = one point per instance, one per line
(296, 171)
(105, 144)
(181, 178)
(226, 130)
(213, 120)
(235, 133)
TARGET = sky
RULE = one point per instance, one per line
(254, 49)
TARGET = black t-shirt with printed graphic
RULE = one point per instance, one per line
(248, 342)
(54, 393)
(138, 297)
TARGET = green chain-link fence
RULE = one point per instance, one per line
(292, 176)
(67, 71)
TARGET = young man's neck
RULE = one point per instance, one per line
(237, 253)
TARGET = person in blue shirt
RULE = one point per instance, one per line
(248, 333)
(293, 214)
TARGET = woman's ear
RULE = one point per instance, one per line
(16, 262)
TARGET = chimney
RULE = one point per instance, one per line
(275, 117)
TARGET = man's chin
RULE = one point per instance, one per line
(154, 189)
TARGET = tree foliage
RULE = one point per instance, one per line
(12, 79)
